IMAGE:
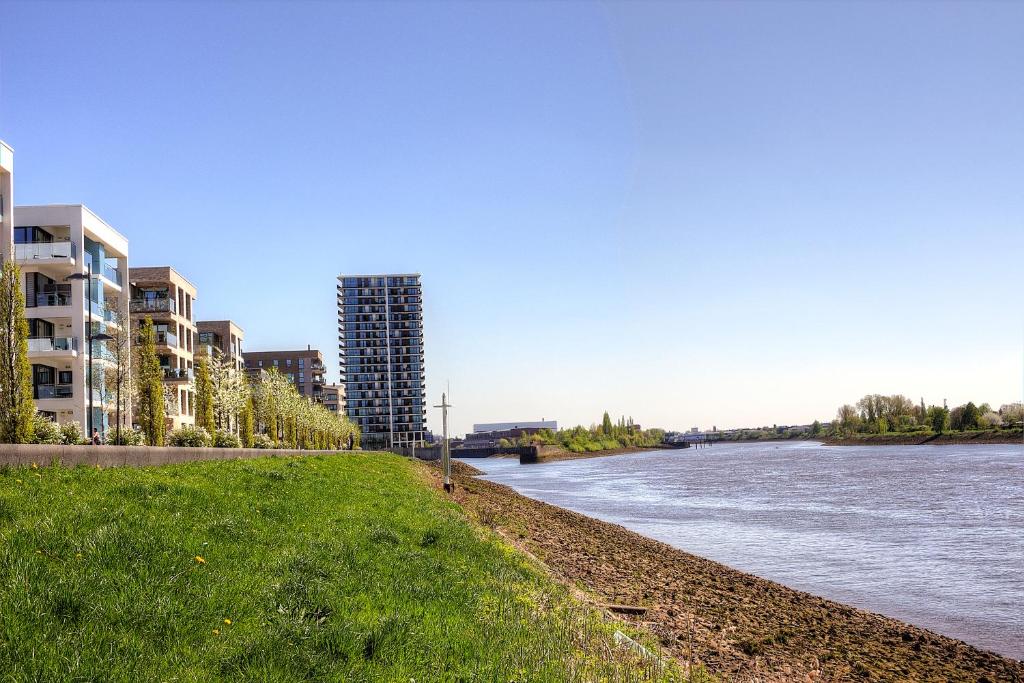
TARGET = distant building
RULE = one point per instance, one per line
(334, 397)
(506, 426)
(222, 338)
(380, 351)
(491, 433)
(163, 295)
(305, 369)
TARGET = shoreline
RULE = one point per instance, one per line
(736, 624)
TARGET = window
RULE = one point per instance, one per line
(302, 377)
(261, 363)
(302, 362)
(275, 363)
(288, 362)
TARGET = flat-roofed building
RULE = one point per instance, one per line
(506, 426)
(6, 200)
(222, 338)
(304, 368)
(54, 245)
(380, 350)
(166, 297)
(334, 398)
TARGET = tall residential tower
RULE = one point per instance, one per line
(380, 348)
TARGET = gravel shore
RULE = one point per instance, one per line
(739, 626)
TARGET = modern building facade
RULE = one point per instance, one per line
(222, 338)
(305, 369)
(334, 397)
(380, 350)
(167, 298)
(6, 200)
(53, 245)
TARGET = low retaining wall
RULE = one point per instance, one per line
(131, 456)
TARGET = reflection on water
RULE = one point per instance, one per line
(932, 535)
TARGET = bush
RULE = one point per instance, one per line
(71, 433)
(224, 439)
(262, 441)
(46, 430)
(129, 437)
(187, 436)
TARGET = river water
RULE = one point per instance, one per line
(931, 535)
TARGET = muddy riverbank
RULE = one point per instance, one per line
(739, 626)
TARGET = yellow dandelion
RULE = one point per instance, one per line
(228, 622)
(39, 552)
(78, 555)
(216, 631)
(200, 560)
(18, 480)
(35, 466)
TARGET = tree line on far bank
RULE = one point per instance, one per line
(603, 437)
(881, 414)
(232, 410)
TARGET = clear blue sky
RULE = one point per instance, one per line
(694, 214)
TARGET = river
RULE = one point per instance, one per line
(931, 535)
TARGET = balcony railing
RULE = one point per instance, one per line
(167, 339)
(53, 299)
(53, 344)
(52, 391)
(182, 374)
(164, 305)
(112, 274)
(44, 250)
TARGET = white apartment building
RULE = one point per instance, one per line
(6, 199)
(51, 243)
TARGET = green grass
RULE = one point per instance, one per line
(342, 567)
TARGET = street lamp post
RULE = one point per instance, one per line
(90, 337)
(446, 454)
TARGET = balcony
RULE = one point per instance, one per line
(44, 391)
(112, 274)
(166, 339)
(53, 345)
(53, 299)
(45, 251)
(160, 305)
(178, 374)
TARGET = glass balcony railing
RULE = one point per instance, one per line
(44, 250)
(112, 274)
(167, 339)
(162, 305)
(182, 374)
(53, 344)
(52, 391)
(53, 299)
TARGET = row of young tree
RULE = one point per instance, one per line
(231, 410)
(879, 414)
(608, 435)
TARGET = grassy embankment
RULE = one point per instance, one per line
(347, 567)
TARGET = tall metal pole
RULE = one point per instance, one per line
(446, 455)
(89, 336)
